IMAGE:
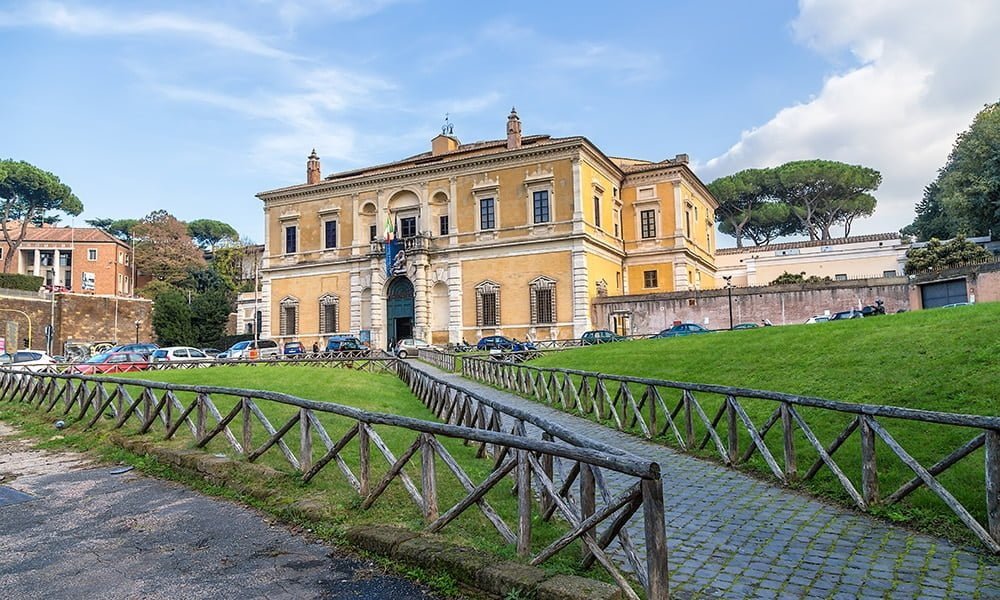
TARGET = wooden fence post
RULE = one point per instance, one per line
(199, 427)
(787, 428)
(733, 448)
(869, 471)
(247, 428)
(993, 483)
(428, 479)
(688, 421)
(364, 459)
(305, 441)
(657, 578)
(588, 499)
(547, 467)
(523, 503)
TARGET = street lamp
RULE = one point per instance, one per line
(729, 289)
(137, 323)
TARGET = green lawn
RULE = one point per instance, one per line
(942, 360)
(372, 392)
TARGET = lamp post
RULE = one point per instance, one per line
(729, 290)
(137, 324)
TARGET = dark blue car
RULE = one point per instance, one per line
(499, 342)
(683, 329)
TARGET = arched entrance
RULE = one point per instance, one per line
(399, 309)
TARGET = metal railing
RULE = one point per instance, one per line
(544, 460)
(640, 406)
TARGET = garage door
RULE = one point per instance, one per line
(946, 292)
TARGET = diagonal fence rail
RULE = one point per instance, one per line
(678, 413)
(558, 476)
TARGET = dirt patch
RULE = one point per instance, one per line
(19, 461)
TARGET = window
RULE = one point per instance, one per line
(330, 234)
(543, 301)
(487, 214)
(408, 227)
(649, 279)
(289, 316)
(443, 220)
(372, 232)
(617, 217)
(540, 205)
(597, 211)
(92, 254)
(291, 239)
(888, 273)
(840, 277)
(487, 304)
(647, 219)
(687, 222)
(328, 305)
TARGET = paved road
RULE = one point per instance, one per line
(732, 536)
(85, 533)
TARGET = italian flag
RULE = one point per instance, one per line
(390, 230)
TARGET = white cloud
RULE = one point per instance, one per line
(295, 11)
(924, 71)
(90, 22)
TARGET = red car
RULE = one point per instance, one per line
(113, 362)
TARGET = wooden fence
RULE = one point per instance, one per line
(641, 406)
(544, 471)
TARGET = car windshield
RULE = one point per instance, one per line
(159, 354)
(240, 345)
(98, 358)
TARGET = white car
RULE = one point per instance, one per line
(31, 360)
(407, 346)
(178, 353)
(817, 319)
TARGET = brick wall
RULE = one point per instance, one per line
(76, 317)
(982, 282)
(783, 304)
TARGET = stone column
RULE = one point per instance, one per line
(379, 325)
(455, 302)
(421, 299)
(577, 197)
(56, 269)
(38, 263)
(581, 297)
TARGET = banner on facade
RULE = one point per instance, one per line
(395, 258)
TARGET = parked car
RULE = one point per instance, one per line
(745, 326)
(292, 348)
(683, 329)
(346, 345)
(145, 348)
(846, 314)
(499, 342)
(213, 352)
(113, 362)
(250, 349)
(599, 336)
(31, 360)
(817, 319)
(178, 353)
(6, 358)
(409, 346)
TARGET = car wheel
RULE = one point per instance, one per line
(402, 354)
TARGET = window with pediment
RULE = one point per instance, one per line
(329, 306)
(542, 294)
(288, 320)
(488, 304)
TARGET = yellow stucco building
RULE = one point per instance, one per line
(511, 237)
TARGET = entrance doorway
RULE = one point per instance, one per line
(399, 310)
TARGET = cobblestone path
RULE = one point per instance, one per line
(732, 536)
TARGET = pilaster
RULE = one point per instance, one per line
(455, 302)
(581, 298)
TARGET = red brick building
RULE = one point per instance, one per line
(78, 259)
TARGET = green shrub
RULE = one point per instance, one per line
(13, 281)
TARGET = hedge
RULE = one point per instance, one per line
(14, 281)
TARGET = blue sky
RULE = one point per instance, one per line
(195, 107)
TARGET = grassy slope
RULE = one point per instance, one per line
(946, 360)
(942, 360)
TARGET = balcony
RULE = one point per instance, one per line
(417, 243)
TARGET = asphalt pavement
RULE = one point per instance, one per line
(70, 528)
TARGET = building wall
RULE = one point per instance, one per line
(782, 305)
(982, 282)
(75, 317)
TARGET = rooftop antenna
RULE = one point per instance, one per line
(447, 128)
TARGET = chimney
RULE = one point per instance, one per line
(681, 158)
(513, 130)
(313, 174)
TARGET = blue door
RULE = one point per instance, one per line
(399, 309)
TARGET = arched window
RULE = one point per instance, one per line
(289, 319)
(542, 292)
(488, 304)
(329, 306)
